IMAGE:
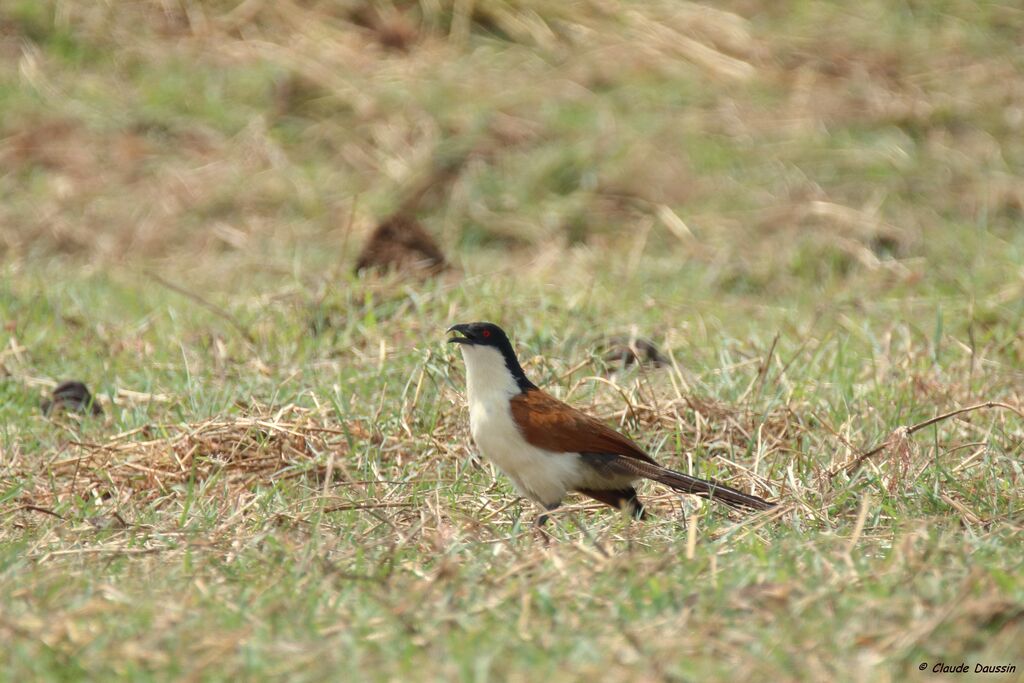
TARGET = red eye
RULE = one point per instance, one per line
(485, 334)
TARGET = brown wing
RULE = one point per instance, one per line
(555, 426)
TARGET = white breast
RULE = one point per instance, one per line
(538, 474)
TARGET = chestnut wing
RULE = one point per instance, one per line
(548, 423)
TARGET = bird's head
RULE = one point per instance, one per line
(488, 354)
(479, 334)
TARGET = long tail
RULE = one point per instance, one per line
(702, 487)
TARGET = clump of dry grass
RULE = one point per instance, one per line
(143, 468)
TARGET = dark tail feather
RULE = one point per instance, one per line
(709, 489)
(621, 498)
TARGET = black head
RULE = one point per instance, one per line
(479, 334)
(489, 334)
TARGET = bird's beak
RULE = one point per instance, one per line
(466, 337)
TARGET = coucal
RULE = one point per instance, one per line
(548, 448)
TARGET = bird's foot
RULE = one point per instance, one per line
(538, 527)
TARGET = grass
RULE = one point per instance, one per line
(814, 212)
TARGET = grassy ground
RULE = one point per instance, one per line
(815, 210)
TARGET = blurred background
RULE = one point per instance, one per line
(765, 147)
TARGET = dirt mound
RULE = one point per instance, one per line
(401, 243)
(72, 397)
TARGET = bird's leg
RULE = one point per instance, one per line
(542, 519)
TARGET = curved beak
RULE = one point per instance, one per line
(466, 337)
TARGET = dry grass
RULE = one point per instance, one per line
(812, 211)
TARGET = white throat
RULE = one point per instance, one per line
(487, 377)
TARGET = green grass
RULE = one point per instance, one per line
(181, 201)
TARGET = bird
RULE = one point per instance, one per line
(548, 448)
